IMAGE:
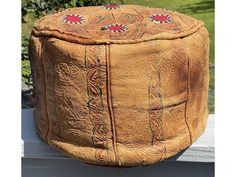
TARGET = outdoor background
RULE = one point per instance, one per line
(34, 9)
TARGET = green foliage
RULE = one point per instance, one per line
(25, 64)
(24, 47)
(43, 7)
(25, 71)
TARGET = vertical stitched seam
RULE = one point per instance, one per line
(109, 101)
(45, 90)
(185, 111)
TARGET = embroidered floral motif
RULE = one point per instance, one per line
(116, 28)
(111, 6)
(73, 19)
(160, 18)
(67, 72)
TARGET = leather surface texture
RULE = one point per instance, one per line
(120, 85)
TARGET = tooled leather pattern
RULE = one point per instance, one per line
(155, 101)
(96, 80)
(135, 17)
(161, 71)
(72, 118)
(66, 120)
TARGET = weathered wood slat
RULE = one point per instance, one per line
(75, 168)
(33, 147)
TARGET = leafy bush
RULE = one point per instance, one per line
(43, 7)
(25, 70)
(25, 64)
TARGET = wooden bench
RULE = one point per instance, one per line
(40, 160)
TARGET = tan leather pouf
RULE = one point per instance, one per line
(120, 84)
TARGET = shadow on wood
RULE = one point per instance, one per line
(74, 168)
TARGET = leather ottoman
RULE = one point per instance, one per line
(120, 85)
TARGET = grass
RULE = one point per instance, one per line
(200, 9)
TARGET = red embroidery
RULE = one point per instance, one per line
(73, 19)
(160, 18)
(116, 28)
(111, 6)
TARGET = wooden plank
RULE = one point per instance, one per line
(75, 168)
(33, 147)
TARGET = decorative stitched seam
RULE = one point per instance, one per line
(155, 102)
(75, 38)
(186, 117)
(109, 101)
(95, 81)
(45, 87)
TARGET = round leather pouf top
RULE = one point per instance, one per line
(120, 85)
